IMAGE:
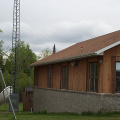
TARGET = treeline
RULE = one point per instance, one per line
(26, 74)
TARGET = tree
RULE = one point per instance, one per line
(0, 31)
(7, 66)
(24, 81)
(45, 53)
(26, 57)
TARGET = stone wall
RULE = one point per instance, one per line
(73, 101)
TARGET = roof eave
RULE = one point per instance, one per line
(65, 59)
(108, 47)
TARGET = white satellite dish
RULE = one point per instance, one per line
(4, 95)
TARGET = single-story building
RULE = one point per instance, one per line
(83, 77)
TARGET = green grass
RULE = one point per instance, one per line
(23, 115)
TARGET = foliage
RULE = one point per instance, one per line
(24, 81)
(7, 66)
(0, 31)
(6, 76)
(45, 53)
(26, 57)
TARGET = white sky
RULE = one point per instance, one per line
(60, 22)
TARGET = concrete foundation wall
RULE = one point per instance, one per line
(72, 101)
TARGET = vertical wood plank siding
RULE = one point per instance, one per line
(100, 75)
(56, 76)
(77, 75)
(108, 67)
(42, 77)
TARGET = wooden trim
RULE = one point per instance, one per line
(93, 59)
(89, 63)
(87, 76)
(113, 64)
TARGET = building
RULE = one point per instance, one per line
(83, 77)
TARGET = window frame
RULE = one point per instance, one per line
(50, 77)
(117, 89)
(93, 87)
(64, 80)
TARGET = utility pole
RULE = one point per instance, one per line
(14, 80)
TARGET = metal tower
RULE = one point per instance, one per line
(14, 80)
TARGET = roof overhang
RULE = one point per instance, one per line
(66, 59)
(108, 47)
(96, 53)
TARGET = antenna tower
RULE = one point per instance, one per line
(14, 80)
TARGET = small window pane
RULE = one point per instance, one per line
(117, 76)
(92, 69)
(50, 78)
(64, 77)
(93, 80)
(92, 84)
(118, 69)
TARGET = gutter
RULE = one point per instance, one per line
(65, 59)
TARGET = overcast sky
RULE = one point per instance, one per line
(60, 22)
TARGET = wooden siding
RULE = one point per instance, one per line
(56, 76)
(74, 77)
(108, 74)
(77, 76)
(100, 75)
(83, 74)
(42, 77)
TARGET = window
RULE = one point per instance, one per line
(93, 78)
(50, 78)
(64, 77)
(117, 76)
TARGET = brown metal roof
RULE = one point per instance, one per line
(89, 48)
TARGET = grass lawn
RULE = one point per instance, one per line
(22, 115)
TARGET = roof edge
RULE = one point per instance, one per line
(108, 47)
(65, 59)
